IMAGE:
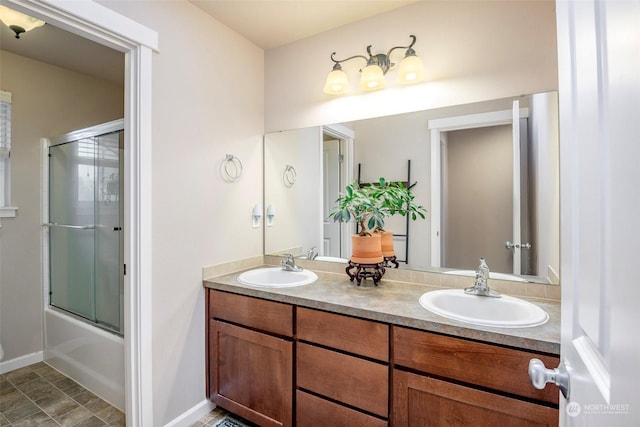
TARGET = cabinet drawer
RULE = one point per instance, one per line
(424, 401)
(348, 379)
(268, 316)
(476, 363)
(313, 411)
(359, 336)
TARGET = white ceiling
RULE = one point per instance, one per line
(266, 23)
(273, 23)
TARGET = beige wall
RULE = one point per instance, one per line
(207, 102)
(47, 101)
(472, 50)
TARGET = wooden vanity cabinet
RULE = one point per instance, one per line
(250, 357)
(342, 370)
(440, 380)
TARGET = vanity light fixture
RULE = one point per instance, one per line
(411, 70)
(18, 22)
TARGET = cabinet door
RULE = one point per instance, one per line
(424, 401)
(251, 374)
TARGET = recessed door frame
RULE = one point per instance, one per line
(105, 26)
(437, 127)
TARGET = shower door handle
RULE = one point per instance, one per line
(75, 227)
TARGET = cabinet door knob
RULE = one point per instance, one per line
(540, 376)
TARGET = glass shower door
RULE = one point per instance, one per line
(108, 214)
(71, 232)
(85, 247)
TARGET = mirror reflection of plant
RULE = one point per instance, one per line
(368, 205)
(396, 199)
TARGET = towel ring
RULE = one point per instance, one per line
(231, 168)
(289, 176)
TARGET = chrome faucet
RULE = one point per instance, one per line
(289, 263)
(312, 253)
(481, 285)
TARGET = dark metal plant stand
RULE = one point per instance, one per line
(357, 271)
(391, 260)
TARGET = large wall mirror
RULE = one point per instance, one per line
(486, 172)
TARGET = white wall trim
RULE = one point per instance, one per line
(21, 361)
(101, 24)
(189, 417)
(346, 136)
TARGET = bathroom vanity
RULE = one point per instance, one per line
(331, 353)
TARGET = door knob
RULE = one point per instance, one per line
(510, 245)
(540, 376)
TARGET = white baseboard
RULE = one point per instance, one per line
(192, 415)
(21, 362)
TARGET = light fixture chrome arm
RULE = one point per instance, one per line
(409, 48)
(337, 65)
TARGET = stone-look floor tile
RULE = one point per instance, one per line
(69, 386)
(112, 416)
(39, 419)
(3, 421)
(4, 382)
(42, 392)
(20, 376)
(32, 385)
(97, 405)
(40, 368)
(91, 422)
(13, 400)
(52, 375)
(85, 397)
(62, 407)
(74, 417)
(17, 414)
(52, 398)
(7, 390)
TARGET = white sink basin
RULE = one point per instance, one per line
(276, 277)
(504, 312)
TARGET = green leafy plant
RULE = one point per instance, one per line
(369, 205)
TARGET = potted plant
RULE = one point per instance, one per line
(368, 206)
(360, 204)
(393, 198)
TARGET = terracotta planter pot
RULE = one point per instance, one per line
(366, 249)
(387, 244)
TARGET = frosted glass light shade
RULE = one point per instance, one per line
(12, 17)
(411, 70)
(337, 83)
(372, 78)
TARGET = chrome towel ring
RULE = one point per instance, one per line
(289, 176)
(231, 168)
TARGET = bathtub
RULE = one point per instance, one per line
(92, 357)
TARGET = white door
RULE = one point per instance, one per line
(599, 82)
(515, 149)
(331, 187)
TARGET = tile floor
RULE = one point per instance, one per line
(38, 395)
(216, 415)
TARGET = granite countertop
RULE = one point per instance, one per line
(397, 303)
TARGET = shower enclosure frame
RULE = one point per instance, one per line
(103, 25)
(77, 137)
